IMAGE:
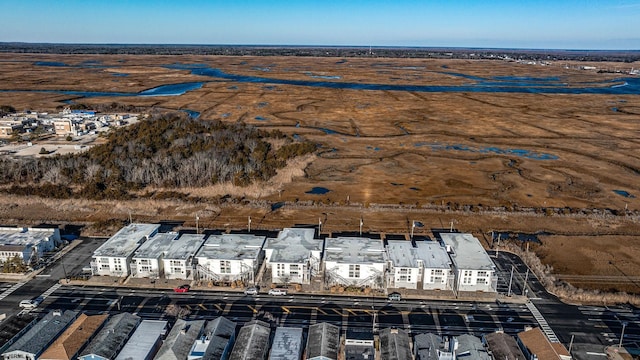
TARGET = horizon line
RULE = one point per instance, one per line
(316, 46)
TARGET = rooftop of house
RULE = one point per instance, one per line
(427, 346)
(38, 338)
(471, 346)
(354, 250)
(180, 339)
(143, 340)
(395, 344)
(287, 344)
(231, 247)
(126, 240)
(503, 346)
(74, 337)
(156, 246)
(467, 252)
(15, 236)
(219, 333)
(184, 247)
(252, 341)
(293, 245)
(538, 343)
(112, 336)
(404, 255)
(323, 340)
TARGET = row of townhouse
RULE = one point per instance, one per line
(28, 244)
(455, 262)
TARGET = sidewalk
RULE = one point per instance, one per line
(615, 353)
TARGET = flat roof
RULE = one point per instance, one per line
(354, 250)
(404, 254)
(15, 236)
(143, 340)
(287, 344)
(467, 251)
(113, 336)
(232, 247)
(185, 246)
(126, 240)
(157, 245)
(293, 245)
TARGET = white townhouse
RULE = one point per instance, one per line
(114, 256)
(355, 261)
(29, 244)
(178, 260)
(147, 260)
(294, 256)
(423, 262)
(474, 269)
(230, 257)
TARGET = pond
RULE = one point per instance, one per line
(318, 191)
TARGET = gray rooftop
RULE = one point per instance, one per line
(157, 245)
(403, 254)
(26, 236)
(287, 344)
(143, 340)
(232, 247)
(293, 245)
(467, 251)
(220, 332)
(252, 342)
(113, 336)
(503, 346)
(426, 346)
(395, 345)
(323, 341)
(471, 347)
(184, 247)
(354, 250)
(179, 341)
(42, 334)
(126, 241)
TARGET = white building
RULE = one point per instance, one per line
(355, 261)
(29, 244)
(474, 269)
(114, 256)
(179, 258)
(425, 262)
(147, 259)
(294, 256)
(230, 257)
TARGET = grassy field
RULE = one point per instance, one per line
(434, 157)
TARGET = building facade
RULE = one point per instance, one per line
(294, 256)
(355, 261)
(113, 258)
(230, 257)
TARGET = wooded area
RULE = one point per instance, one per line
(168, 150)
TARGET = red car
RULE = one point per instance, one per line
(182, 288)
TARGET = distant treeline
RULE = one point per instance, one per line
(170, 151)
(327, 51)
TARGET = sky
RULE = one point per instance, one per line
(537, 24)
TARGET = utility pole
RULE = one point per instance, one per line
(571, 343)
(249, 224)
(65, 272)
(197, 218)
(413, 226)
(361, 223)
(319, 226)
(624, 325)
(524, 286)
(510, 280)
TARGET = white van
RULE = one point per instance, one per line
(276, 292)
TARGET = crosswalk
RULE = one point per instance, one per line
(544, 326)
(10, 290)
(55, 287)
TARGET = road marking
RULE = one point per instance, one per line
(285, 309)
(10, 290)
(252, 309)
(55, 287)
(202, 307)
(321, 311)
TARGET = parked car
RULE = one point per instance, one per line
(277, 292)
(182, 288)
(394, 296)
(29, 304)
(251, 291)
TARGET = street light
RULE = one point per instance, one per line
(624, 325)
(249, 224)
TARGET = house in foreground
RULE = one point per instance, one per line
(355, 261)
(69, 343)
(287, 344)
(217, 341)
(535, 345)
(230, 257)
(252, 342)
(323, 342)
(294, 256)
(113, 258)
(111, 338)
(395, 344)
(147, 259)
(178, 343)
(145, 341)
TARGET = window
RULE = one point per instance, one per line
(175, 263)
(104, 266)
(437, 272)
(483, 274)
(117, 267)
(225, 267)
(293, 267)
(175, 269)
(117, 260)
(481, 281)
(354, 271)
(145, 268)
(404, 278)
(104, 260)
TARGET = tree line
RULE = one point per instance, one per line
(167, 150)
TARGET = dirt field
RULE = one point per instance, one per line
(416, 150)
